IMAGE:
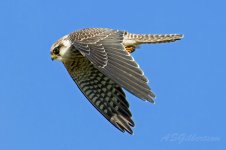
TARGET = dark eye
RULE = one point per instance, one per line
(56, 51)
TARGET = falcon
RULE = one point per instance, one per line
(100, 63)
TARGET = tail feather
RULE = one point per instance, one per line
(135, 39)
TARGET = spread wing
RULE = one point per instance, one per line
(104, 94)
(104, 49)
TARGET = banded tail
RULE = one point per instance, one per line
(136, 39)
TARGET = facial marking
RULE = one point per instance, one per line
(60, 48)
(66, 43)
(56, 50)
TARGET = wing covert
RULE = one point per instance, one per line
(104, 49)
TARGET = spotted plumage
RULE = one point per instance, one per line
(100, 63)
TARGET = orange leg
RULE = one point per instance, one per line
(130, 49)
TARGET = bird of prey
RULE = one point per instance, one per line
(100, 63)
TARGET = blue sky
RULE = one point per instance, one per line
(42, 109)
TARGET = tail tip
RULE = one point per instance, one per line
(180, 36)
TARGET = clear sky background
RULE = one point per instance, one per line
(42, 109)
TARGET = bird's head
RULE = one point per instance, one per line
(60, 49)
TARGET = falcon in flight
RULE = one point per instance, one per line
(100, 63)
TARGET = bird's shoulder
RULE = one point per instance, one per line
(92, 34)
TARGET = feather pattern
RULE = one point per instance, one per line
(104, 49)
(100, 63)
(103, 93)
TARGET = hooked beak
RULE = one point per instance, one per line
(53, 57)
